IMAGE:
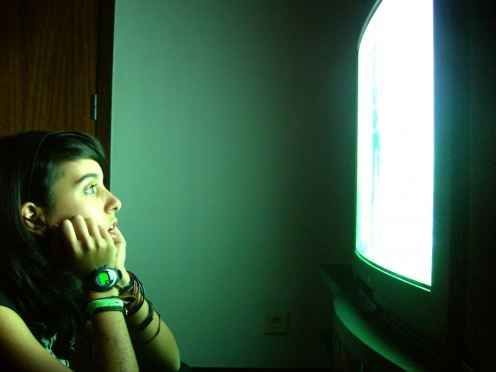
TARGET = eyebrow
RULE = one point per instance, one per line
(88, 175)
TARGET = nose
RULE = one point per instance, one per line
(114, 202)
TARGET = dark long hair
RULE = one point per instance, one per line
(49, 298)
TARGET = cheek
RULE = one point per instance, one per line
(85, 210)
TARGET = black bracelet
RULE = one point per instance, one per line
(130, 285)
(148, 318)
(156, 333)
(138, 294)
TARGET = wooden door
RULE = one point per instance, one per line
(55, 55)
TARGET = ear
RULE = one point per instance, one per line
(33, 218)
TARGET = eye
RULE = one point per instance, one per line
(92, 187)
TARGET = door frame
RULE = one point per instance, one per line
(104, 70)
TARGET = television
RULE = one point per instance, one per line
(412, 170)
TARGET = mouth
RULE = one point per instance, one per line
(112, 227)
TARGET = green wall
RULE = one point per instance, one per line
(233, 155)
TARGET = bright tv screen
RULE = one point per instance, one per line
(395, 154)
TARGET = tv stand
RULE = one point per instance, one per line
(357, 342)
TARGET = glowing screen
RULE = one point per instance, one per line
(396, 139)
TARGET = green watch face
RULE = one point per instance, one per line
(103, 279)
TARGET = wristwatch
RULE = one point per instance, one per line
(102, 279)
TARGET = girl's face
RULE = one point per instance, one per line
(80, 190)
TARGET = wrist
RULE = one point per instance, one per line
(125, 280)
(94, 295)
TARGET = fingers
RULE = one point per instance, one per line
(104, 234)
(82, 227)
(87, 231)
(85, 237)
(94, 232)
(70, 233)
(92, 246)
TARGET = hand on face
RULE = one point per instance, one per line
(83, 245)
(120, 244)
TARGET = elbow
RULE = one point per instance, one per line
(178, 365)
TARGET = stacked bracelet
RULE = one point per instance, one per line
(156, 333)
(148, 318)
(133, 294)
(145, 323)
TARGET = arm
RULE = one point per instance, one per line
(162, 351)
(112, 347)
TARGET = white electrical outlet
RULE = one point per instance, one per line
(276, 323)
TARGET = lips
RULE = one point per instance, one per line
(111, 229)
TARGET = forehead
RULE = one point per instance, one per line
(72, 170)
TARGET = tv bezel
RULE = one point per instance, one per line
(430, 319)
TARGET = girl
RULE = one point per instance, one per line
(67, 301)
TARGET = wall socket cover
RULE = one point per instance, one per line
(277, 323)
